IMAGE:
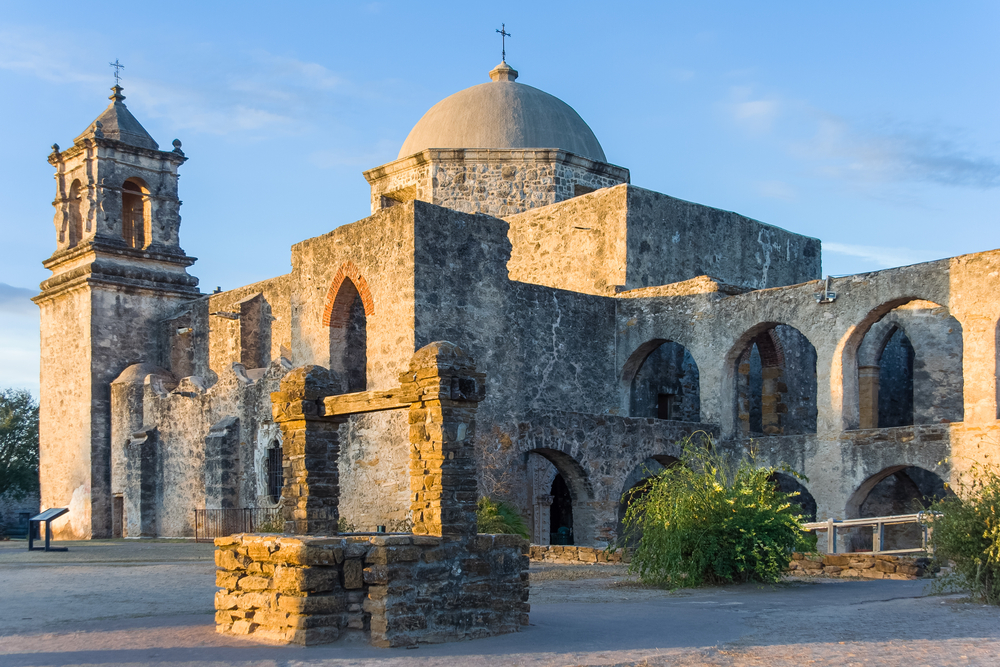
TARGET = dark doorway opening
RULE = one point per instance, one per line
(561, 513)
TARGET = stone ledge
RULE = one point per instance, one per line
(543, 553)
(858, 564)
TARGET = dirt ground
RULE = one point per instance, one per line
(137, 603)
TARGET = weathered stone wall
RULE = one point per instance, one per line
(13, 511)
(230, 320)
(374, 472)
(625, 238)
(380, 250)
(490, 181)
(397, 590)
(184, 420)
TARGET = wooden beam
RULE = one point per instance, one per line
(365, 401)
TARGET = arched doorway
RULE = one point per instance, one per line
(663, 382)
(563, 499)
(776, 383)
(892, 491)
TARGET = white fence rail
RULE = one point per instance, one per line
(877, 524)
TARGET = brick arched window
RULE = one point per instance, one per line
(348, 306)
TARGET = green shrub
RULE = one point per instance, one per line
(967, 532)
(712, 518)
(495, 517)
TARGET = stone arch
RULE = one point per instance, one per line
(662, 380)
(633, 487)
(844, 370)
(774, 381)
(348, 307)
(789, 484)
(897, 489)
(581, 493)
(137, 228)
(74, 231)
(909, 366)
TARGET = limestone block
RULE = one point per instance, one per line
(226, 579)
(311, 579)
(353, 576)
(228, 559)
(254, 583)
(885, 566)
(312, 604)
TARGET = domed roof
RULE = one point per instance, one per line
(503, 114)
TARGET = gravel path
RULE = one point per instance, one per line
(136, 603)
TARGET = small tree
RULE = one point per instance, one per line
(712, 518)
(18, 443)
(965, 529)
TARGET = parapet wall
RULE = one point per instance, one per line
(399, 590)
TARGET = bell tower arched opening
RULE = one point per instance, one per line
(74, 233)
(136, 227)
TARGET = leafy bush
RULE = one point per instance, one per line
(967, 532)
(712, 518)
(497, 516)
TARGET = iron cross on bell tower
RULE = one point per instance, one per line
(118, 68)
(503, 41)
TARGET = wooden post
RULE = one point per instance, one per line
(831, 537)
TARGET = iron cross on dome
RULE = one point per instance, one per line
(503, 41)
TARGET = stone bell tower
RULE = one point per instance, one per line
(117, 270)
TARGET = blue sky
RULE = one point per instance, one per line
(872, 126)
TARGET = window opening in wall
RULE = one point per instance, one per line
(910, 368)
(134, 215)
(349, 337)
(75, 215)
(776, 384)
(581, 190)
(118, 516)
(275, 474)
(561, 518)
(665, 406)
(398, 197)
(895, 382)
(663, 382)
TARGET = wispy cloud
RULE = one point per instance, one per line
(881, 256)
(244, 93)
(898, 154)
(753, 112)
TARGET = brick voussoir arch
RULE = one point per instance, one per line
(347, 271)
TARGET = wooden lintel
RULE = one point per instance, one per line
(365, 401)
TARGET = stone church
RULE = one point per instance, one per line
(610, 322)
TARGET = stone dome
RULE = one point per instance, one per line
(503, 114)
